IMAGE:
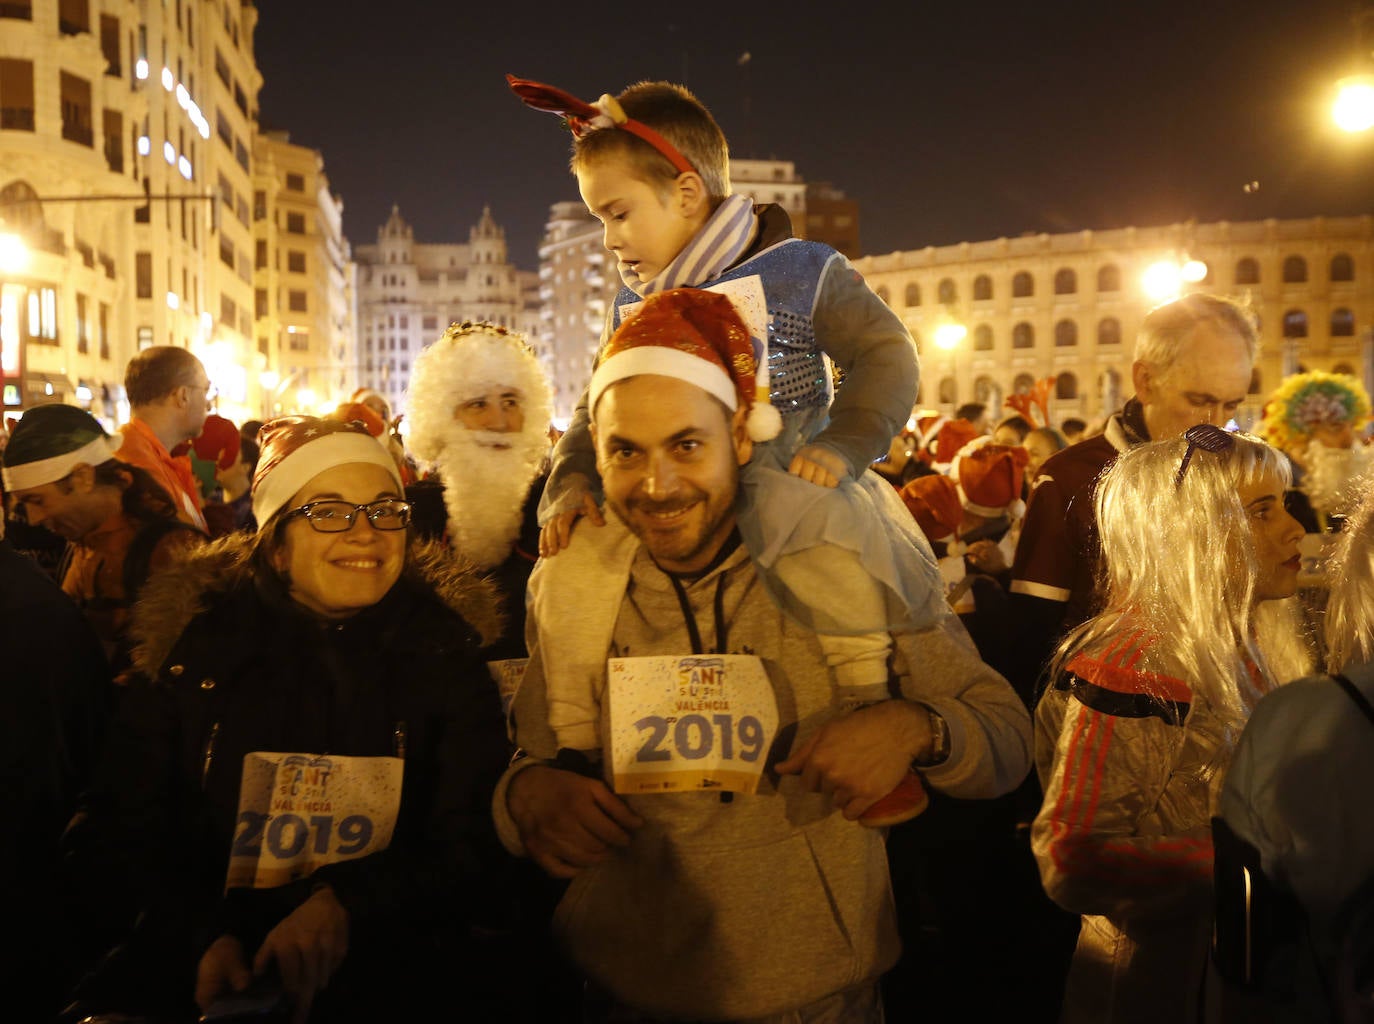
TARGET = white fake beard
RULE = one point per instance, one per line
(485, 489)
(1333, 474)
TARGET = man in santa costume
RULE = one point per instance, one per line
(480, 406)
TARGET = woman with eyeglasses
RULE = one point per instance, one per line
(1147, 699)
(297, 791)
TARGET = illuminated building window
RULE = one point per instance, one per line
(913, 294)
(1342, 323)
(1022, 285)
(1109, 278)
(1065, 282)
(1023, 336)
(982, 288)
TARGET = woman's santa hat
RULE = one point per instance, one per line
(296, 449)
(695, 335)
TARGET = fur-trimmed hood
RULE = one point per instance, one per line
(173, 598)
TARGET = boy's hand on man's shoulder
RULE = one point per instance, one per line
(819, 465)
(556, 533)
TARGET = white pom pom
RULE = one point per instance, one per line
(764, 422)
(1017, 509)
(956, 549)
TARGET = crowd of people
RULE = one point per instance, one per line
(758, 694)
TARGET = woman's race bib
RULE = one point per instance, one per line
(689, 723)
(298, 812)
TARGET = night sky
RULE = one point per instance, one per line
(947, 122)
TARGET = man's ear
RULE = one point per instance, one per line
(1142, 379)
(739, 432)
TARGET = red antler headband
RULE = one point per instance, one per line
(583, 117)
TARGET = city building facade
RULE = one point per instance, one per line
(409, 292)
(125, 135)
(1068, 306)
(304, 279)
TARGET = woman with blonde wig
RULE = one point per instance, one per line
(1146, 702)
(1298, 794)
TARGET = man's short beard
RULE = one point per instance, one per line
(485, 489)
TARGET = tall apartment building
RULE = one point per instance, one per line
(303, 278)
(1069, 305)
(124, 177)
(409, 292)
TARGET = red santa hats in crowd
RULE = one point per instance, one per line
(952, 436)
(990, 477)
(296, 449)
(694, 335)
(984, 478)
(218, 442)
(356, 412)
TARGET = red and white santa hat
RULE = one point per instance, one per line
(934, 500)
(695, 335)
(296, 449)
(990, 476)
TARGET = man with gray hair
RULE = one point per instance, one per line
(1193, 361)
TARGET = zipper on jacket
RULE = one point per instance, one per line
(209, 754)
(398, 739)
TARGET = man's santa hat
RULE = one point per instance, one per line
(296, 449)
(51, 441)
(695, 335)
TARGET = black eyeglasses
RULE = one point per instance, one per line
(338, 516)
(1208, 437)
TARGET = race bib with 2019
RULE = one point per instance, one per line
(299, 812)
(699, 722)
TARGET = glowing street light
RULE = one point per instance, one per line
(1164, 280)
(1353, 110)
(948, 335)
(14, 254)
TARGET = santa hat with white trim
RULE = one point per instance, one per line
(51, 441)
(296, 449)
(990, 476)
(695, 335)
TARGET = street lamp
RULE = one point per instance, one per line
(949, 334)
(14, 254)
(1164, 280)
(1353, 109)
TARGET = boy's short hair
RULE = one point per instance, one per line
(682, 119)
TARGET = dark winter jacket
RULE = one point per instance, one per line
(229, 665)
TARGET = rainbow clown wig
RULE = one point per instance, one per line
(1305, 402)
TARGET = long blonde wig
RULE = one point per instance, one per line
(1179, 564)
(1350, 604)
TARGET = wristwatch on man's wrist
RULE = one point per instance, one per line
(939, 740)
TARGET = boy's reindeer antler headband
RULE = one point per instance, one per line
(582, 117)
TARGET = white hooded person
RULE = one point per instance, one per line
(479, 409)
